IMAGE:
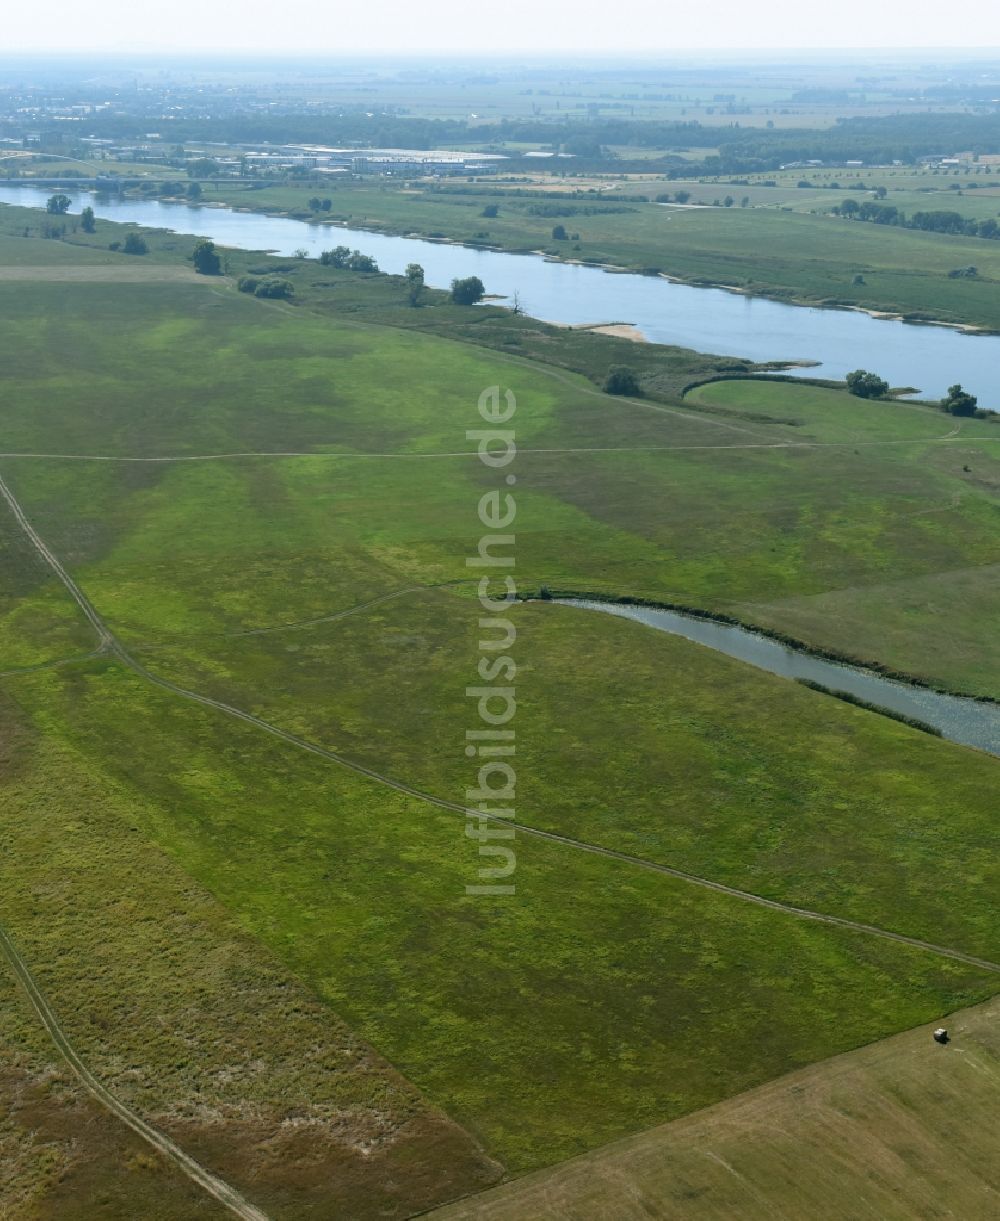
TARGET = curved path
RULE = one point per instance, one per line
(111, 645)
(226, 1195)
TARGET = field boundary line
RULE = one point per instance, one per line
(228, 1196)
(115, 648)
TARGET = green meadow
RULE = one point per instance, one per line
(303, 559)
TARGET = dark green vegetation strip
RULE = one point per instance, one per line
(848, 698)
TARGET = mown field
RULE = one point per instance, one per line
(892, 1131)
(604, 997)
(786, 254)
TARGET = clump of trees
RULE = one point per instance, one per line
(206, 258)
(346, 259)
(467, 291)
(865, 385)
(559, 233)
(320, 205)
(623, 380)
(57, 205)
(959, 402)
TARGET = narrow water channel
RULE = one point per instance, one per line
(967, 721)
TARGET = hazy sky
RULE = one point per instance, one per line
(545, 26)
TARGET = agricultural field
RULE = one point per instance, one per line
(241, 703)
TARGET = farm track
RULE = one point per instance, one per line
(472, 453)
(110, 645)
(228, 1196)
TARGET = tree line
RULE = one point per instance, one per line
(940, 221)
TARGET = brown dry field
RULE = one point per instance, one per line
(901, 1130)
(100, 273)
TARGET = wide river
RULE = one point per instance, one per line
(971, 722)
(930, 358)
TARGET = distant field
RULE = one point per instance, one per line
(893, 1131)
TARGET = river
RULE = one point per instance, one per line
(930, 358)
(967, 721)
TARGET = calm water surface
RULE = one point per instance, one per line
(705, 319)
(967, 721)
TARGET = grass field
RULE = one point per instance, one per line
(893, 1131)
(186, 1020)
(606, 997)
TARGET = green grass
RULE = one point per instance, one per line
(539, 1038)
(184, 1017)
(602, 998)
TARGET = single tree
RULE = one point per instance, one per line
(515, 303)
(622, 379)
(865, 385)
(490, 211)
(559, 233)
(87, 222)
(467, 291)
(58, 205)
(206, 258)
(414, 282)
(194, 190)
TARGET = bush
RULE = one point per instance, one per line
(247, 284)
(622, 379)
(467, 291)
(490, 211)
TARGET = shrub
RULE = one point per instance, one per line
(134, 244)
(206, 258)
(247, 284)
(959, 402)
(622, 379)
(274, 288)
